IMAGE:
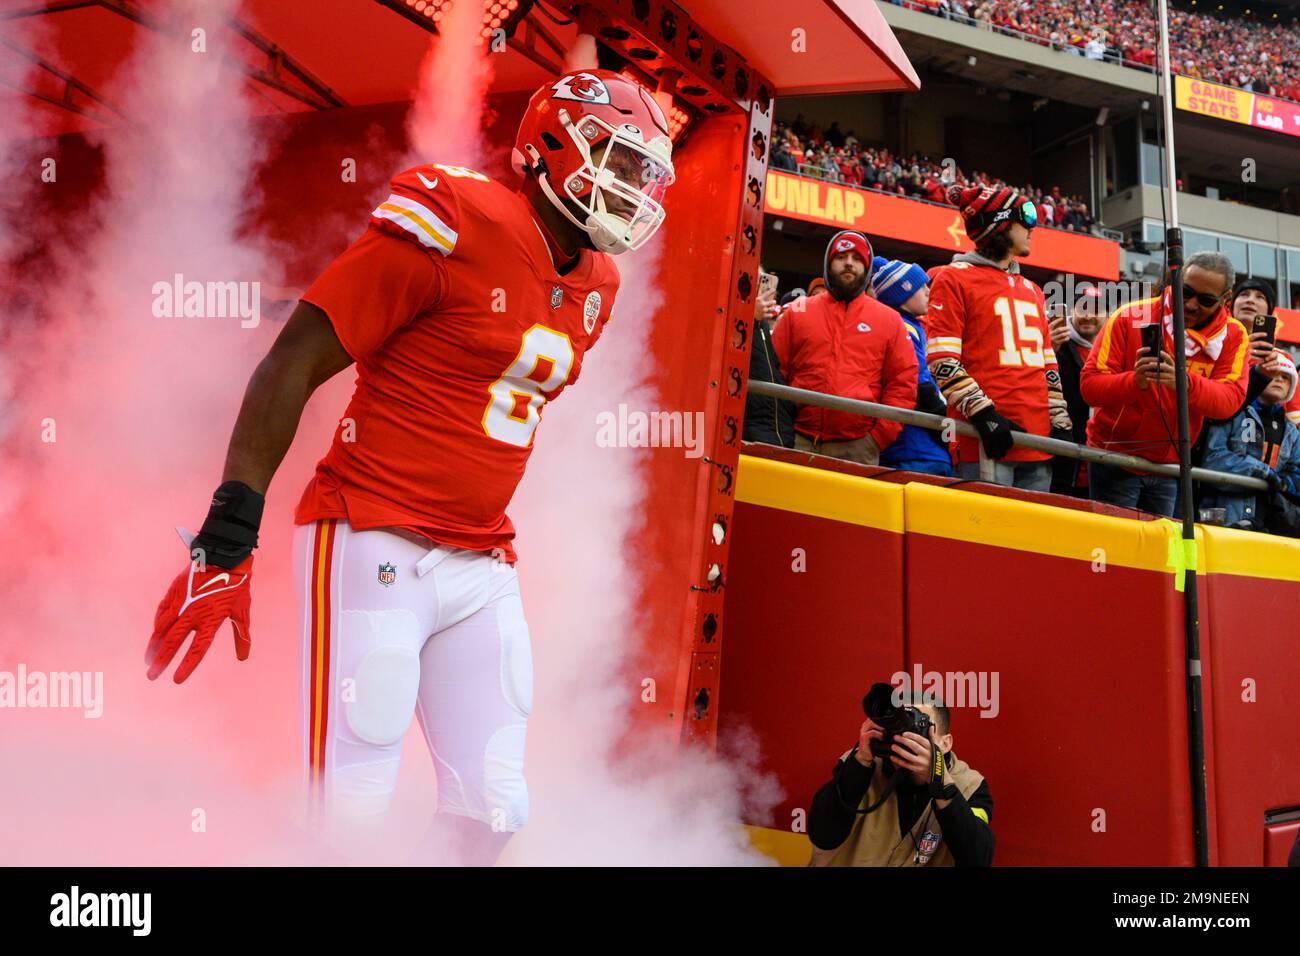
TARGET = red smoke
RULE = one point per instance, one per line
(114, 430)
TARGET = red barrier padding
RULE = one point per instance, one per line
(1249, 644)
(1278, 841)
(1086, 756)
(802, 646)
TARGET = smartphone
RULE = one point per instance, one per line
(1151, 339)
(766, 283)
(1268, 325)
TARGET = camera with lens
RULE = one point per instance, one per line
(894, 720)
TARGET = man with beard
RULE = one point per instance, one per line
(846, 343)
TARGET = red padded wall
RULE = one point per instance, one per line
(1251, 628)
(1278, 841)
(1091, 698)
(802, 648)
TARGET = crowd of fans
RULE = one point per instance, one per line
(977, 341)
(1245, 53)
(840, 157)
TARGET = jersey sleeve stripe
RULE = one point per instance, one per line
(945, 345)
(1239, 360)
(419, 221)
(1103, 345)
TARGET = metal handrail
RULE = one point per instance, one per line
(1051, 446)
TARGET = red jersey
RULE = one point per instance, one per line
(462, 330)
(992, 321)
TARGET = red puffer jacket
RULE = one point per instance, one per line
(857, 349)
(1144, 421)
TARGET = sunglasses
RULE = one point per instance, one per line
(1206, 300)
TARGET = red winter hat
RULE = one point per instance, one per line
(987, 210)
(849, 241)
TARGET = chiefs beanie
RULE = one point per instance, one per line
(846, 240)
(986, 210)
(1287, 368)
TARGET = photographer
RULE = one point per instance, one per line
(930, 808)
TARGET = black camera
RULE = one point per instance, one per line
(879, 706)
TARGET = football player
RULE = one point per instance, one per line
(466, 307)
(989, 349)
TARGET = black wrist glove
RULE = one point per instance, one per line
(995, 432)
(1274, 480)
(1063, 434)
(229, 534)
(930, 400)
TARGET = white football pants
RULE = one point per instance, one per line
(392, 627)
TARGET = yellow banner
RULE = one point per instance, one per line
(1211, 99)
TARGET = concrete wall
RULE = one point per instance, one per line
(1197, 212)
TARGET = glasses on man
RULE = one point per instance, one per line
(1205, 299)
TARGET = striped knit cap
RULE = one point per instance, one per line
(987, 210)
(894, 282)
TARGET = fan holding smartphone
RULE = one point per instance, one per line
(1129, 381)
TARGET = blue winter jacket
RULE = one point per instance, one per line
(915, 444)
(1237, 446)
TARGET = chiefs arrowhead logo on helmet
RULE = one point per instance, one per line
(583, 87)
(598, 147)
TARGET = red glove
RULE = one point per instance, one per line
(198, 602)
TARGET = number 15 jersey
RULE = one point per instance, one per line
(462, 330)
(992, 322)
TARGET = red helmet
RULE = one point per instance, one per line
(601, 141)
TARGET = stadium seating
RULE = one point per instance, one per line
(1255, 53)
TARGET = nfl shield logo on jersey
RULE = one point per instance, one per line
(557, 297)
(387, 575)
(590, 310)
(926, 847)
